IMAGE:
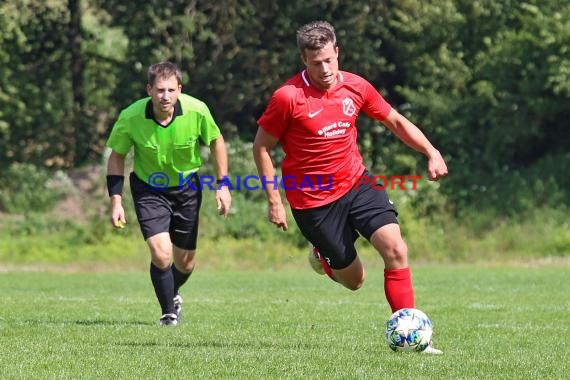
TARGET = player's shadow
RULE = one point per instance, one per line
(217, 344)
(88, 322)
(95, 322)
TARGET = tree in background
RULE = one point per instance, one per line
(491, 79)
(487, 80)
(53, 104)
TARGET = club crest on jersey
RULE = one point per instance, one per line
(348, 107)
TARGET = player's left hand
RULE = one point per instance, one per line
(436, 166)
(223, 201)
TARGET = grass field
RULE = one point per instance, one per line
(491, 322)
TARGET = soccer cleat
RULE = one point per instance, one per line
(431, 350)
(314, 256)
(178, 305)
(168, 320)
(315, 261)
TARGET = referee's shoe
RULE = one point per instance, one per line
(170, 319)
(178, 301)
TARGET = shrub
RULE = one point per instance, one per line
(27, 188)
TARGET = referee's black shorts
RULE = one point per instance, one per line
(172, 209)
(333, 228)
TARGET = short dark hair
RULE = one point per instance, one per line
(315, 35)
(163, 70)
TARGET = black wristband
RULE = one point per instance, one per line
(223, 182)
(115, 184)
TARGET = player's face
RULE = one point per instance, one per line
(322, 65)
(164, 93)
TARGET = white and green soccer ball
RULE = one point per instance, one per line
(408, 330)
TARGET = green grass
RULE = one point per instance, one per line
(491, 322)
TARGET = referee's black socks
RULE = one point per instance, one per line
(163, 282)
(179, 278)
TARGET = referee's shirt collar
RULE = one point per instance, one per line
(149, 112)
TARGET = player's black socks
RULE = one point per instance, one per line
(179, 278)
(163, 283)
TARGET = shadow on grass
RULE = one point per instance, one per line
(218, 344)
(86, 322)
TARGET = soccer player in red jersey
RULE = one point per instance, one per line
(313, 116)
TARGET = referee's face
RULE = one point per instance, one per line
(164, 93)
(322, 65)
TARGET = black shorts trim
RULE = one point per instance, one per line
(173, 210)
(333, 228)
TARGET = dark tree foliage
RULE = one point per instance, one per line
(488, 80)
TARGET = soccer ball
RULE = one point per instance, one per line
(408, 330)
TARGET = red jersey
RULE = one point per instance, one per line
(317, 130)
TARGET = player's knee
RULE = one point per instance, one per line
(354, 286)
(161, 258)
(355, 283)
(160, 262)
(184, 259)
(397, 251)
(186, 266)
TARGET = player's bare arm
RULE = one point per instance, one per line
(220, 157)
(262, 146)
(116, 167)
(414, 138)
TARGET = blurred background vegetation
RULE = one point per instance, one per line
(488, 81)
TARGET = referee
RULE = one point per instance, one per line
(165, 129)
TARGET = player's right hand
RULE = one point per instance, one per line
(276, 215)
